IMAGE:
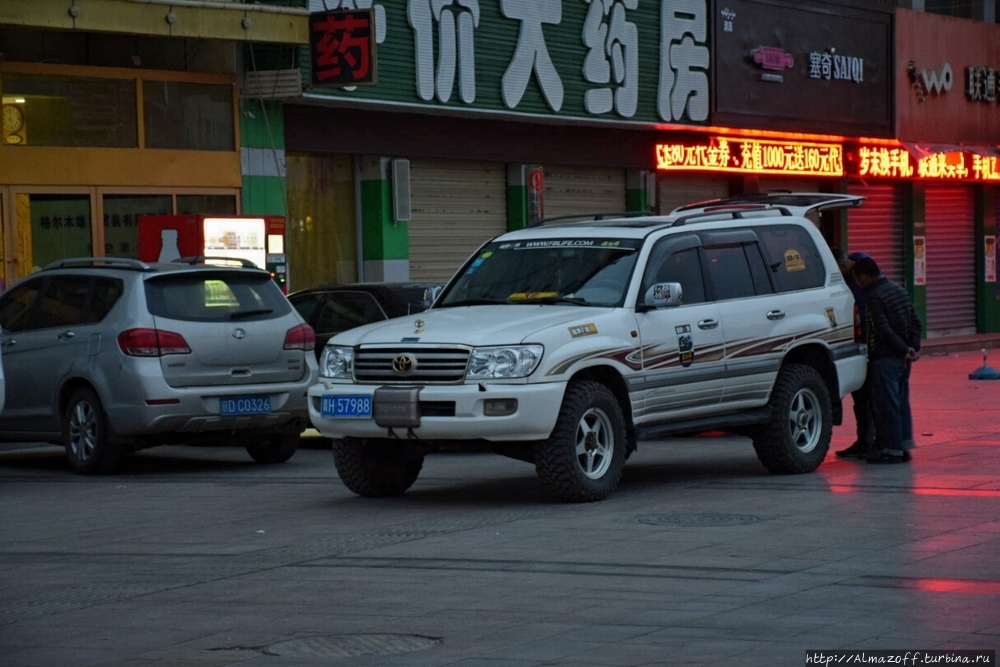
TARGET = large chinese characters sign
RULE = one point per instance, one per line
(343, 47)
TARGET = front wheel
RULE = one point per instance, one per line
(583, 459)
(276, 448)
(90, 448)
(796, 437)
(376, 468)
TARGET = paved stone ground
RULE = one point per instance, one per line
(199, 557)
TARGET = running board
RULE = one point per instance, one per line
(702, 424)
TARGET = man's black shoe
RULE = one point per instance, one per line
(882, 457)
(855, 451)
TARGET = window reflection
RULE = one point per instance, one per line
(188, 116)
(121, 221)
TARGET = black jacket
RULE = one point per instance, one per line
(893, 323)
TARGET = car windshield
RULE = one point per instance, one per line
(577, 271)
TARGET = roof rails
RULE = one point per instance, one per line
(203, 259)
(735, 213)
(107, 262)
(584, 217)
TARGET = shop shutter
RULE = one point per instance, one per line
(583, 191)
(951, 261)
(455, 207)
(788, 183)
(673, 191)
(876, 227)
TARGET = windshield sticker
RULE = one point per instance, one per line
(685, 344)
(794, 261)
(583, 330)
(532, 296)
(831, 315)
(618, 244)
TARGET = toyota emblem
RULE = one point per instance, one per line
(403, 364)
(239, 334)
(419, 324)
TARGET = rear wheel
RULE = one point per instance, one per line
(90, 448)
(796, 438)
(376, 468)
(584, 457)
(276, 448)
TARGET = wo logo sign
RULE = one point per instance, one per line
(927, 81)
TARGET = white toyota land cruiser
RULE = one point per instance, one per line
(565, 345)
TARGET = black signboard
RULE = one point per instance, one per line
(804, 67)
(342, 47)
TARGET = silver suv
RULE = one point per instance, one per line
(108, 356)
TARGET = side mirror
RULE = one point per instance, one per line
(664, 295)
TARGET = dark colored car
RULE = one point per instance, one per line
(330, 309)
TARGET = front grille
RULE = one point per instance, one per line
(431, 364)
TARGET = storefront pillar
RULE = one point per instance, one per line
(385, 241)
(914, 246)
(262, 157)
(987, 291)
(640, 193)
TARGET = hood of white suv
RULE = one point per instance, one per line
(472, 325)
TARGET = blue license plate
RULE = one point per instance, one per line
(346, 406)
(245, 405)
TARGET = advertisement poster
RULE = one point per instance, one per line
(919, 260)
(990, 248)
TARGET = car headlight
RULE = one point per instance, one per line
(512, 361)
(337, 362)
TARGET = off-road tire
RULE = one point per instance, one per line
(796, 438)
(583, 458)
(376, 468)
(90, 447)
(274, 448)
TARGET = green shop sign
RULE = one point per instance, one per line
(615, 60)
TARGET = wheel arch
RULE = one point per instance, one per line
(820, 358)
(69, 388)
(614, 381)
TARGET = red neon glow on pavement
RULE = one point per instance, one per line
(970, 493)
(958, 586)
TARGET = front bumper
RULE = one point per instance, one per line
(450, 412)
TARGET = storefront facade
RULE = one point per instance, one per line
(117, 110)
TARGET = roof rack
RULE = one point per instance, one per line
(109, 262)
(203, 259)
(736, 213)
(582, 217)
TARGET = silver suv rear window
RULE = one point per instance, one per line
(216, 297)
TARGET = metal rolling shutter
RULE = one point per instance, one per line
(789, 183)
(455, 207)
(673, 192)
(877, 228)
(583, 190)
(951, 261)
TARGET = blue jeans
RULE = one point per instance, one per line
(891, 404)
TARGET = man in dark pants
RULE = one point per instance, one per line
(893, 345)
(861, 397)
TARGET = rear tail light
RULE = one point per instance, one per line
(858, 337)
(152, 343)
(301, 337)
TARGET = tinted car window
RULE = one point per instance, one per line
(737, 270)
(218, 296)
(793, 258)
(16, 303)
(346, 310)
(104, 294)
(63, 302)
(306, 304)
(684, 267)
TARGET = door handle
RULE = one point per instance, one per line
(708, 324)
(775, 314)
(66, 335)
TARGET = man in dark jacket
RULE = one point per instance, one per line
(862, 396)
(894, 330)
